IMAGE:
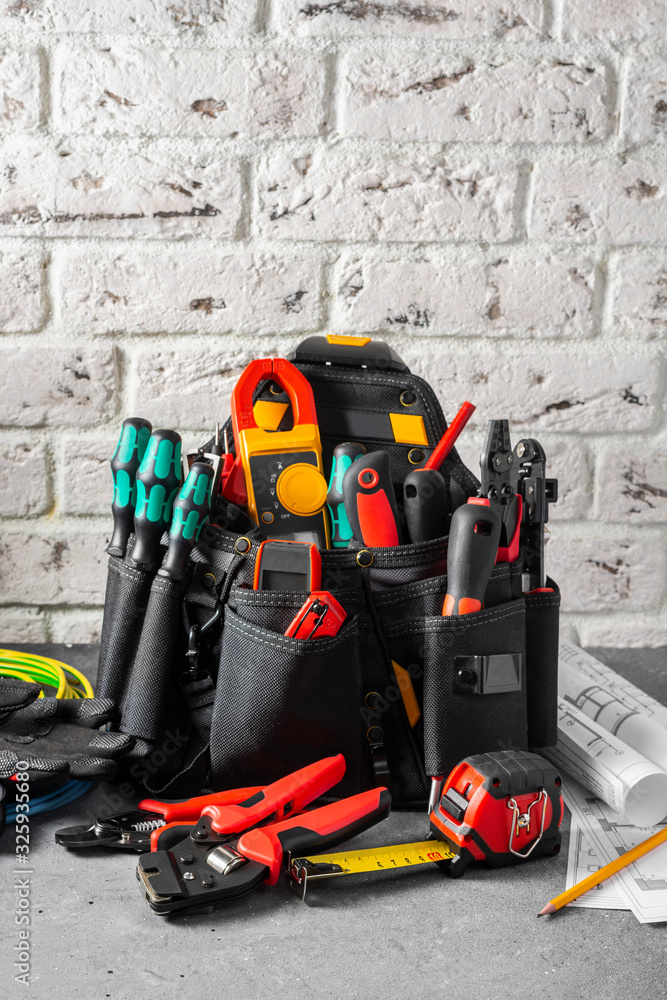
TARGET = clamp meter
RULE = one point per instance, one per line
(285, 485)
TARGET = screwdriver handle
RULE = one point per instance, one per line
(192, 509)
(370, 503)
(343, 457)
(473, 545)
(425, 501)
(158, 479)
(125, 462)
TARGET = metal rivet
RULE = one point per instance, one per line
(365, 558)
(242, 544)
(408, 398)
(520, 449)
(373, 700)
(207, 881)
(188, 875)
(375, 735)
(187, 859)
(208, 581)
(275, 389)
(415, 456)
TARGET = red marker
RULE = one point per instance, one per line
(448, 439)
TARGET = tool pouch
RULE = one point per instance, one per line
(261, 704)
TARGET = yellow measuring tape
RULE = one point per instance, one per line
(373, 859)
(45, 670)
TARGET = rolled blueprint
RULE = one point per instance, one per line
(611, 701)
(612, 770)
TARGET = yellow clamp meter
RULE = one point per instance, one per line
(284, 479)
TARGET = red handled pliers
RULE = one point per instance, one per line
(227, 853)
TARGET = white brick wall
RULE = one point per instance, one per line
(185, 184)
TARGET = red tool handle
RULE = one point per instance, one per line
(288, 377)
(287, 795)
(190, 810)
(448, 439)
(314, 831)
(471, 552)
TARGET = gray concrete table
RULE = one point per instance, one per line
(408, 933)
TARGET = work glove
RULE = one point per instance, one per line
(53, 735)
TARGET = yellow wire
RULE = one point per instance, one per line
(45, 670)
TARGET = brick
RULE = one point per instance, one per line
(640, 299)
(20, 102)
(24, 479)
(74, 627)
(87, 484)
(189, 92)
(545, 391)
(436, 97)
(509, 297)
(22, 305)
(637, 632)
(52, 386)
(345, 196)
(186, 291)
(214, 18)
(644, 103)
(119, 190)
(594, 575)
(59, 569)
(601, 201)
(615, 20)
(632, 484)
(514, 20)
(186, 389)
(22, 625)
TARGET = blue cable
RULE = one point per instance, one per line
(61, 796)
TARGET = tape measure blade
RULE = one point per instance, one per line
(384, 858)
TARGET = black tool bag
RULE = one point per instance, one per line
(258, 705)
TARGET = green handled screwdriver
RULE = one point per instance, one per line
(125, 462)
(192, 508)
(343, 457)
(158, 479)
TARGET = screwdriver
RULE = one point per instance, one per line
(370, 502)
(125, 462)
(158, 479)
(343, 457)
(192, 509)
(425, 502)
(473, 545)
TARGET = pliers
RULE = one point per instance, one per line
(132, 829)
(233, 848)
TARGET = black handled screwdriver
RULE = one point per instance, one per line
(158, 479)
(125, 462)
(343, 457)
(473, 545)
(425, 503)
(192, 509)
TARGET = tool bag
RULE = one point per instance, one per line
(255, 704)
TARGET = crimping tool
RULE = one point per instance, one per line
(233, 848)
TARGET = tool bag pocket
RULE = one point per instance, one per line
(542, 614)
(125, 604)
(282, 703)
(474, 684)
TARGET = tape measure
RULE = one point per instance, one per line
(373, 859)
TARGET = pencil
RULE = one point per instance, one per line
(614, 866)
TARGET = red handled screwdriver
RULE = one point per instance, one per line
(370, 502)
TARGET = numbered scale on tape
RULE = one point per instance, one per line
(304, 870)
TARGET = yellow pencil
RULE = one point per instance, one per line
(614, 866)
